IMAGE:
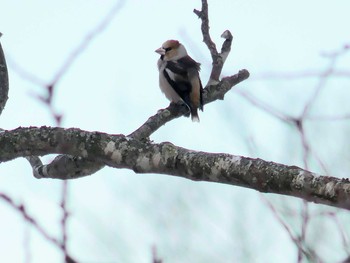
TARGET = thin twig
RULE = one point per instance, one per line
(38, 168)
(64, 219)
(87, 41)
(23, 211)
(218, 59)
(334, 56)
(204, 16)
(308, 252)
(265, 107)
(298, 75)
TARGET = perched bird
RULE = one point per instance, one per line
(179, 76)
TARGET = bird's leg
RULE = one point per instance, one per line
(180, 104)
(188, 113)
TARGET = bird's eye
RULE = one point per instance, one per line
(167, 49)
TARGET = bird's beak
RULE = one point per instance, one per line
(160, 51)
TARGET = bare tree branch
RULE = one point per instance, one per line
(211, 93)
(302, 248)
(4, 80)
(120, 151)
(214, 90)
(64, 220)
(33, 222)
(204, 16)
(217, 58)
(338, 73)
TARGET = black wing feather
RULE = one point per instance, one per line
(191, 63)
(182, 88)
(182, 84)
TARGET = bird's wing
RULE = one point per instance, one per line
(183, 77)
(188, 62)
(194, 78)
(177, 77)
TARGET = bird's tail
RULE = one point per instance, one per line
(194, 115)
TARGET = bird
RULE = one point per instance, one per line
(179, 77)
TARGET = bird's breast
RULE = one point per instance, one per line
(166, 88)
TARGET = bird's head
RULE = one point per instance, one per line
(172, 50)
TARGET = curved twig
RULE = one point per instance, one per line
(217, 58)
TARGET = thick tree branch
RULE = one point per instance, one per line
(4, 80)
(120, 151)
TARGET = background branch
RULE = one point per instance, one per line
(34, 223)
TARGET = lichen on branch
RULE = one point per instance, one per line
(120, 151)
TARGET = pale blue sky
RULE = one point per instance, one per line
(113, 87)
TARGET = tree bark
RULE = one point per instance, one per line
(4, 80)
(142, 156)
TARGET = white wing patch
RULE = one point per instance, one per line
(171, 74)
